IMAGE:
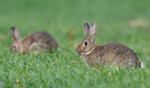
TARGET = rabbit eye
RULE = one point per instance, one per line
(85, 43)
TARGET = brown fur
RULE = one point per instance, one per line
(109, 54)
(37, 41)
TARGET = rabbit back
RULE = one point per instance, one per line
(44, 40)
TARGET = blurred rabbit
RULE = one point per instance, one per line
(114, 54)
(35, 42)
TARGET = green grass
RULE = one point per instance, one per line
(64, 20)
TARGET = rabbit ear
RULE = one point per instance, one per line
(93, 30)
(86, 29)
(14, 33)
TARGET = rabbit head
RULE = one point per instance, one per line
(16, 44)
(87, 45)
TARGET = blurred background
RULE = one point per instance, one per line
(119, 21)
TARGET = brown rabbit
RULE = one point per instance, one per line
(114, 54)
(35, 42)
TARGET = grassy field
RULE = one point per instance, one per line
(123, 21)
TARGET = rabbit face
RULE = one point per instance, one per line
(87, 45)
(16, 46)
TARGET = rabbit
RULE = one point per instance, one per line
(37, 41)
(114, 54)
